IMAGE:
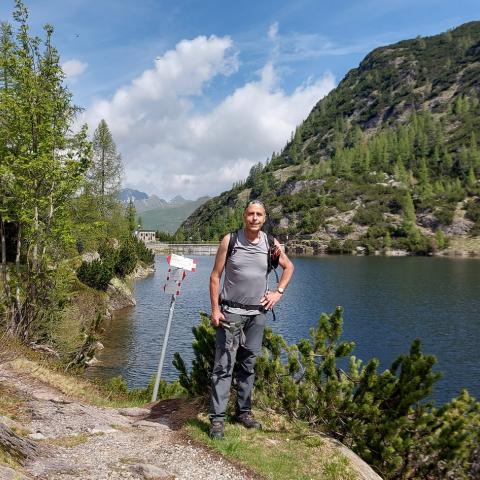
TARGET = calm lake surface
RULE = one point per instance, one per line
(388, 303)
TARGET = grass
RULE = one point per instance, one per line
(281, 451)
(70, 441)
(469, 245)
(73, 385)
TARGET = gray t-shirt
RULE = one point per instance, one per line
(246, 272)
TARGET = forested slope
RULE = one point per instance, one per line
(389, 159)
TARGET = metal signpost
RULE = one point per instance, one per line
(176, 273)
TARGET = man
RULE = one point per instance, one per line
(239, 313)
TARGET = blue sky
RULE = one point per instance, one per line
(196, 92)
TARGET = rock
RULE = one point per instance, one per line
(460, 226)
(295, 187)
(37, 436)
(7, 473)
(16, 445)
(45, 349)
(151, 472)
(142, 272)
(90, 257)
(92, 361)
(101, 429)
(134, 412)
(119, 295)
(396, 253)
(428, 220)
(99, 346)
(152, 424)
(361, 468)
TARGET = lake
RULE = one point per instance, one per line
(388, 303)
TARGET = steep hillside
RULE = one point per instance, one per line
(389, 159)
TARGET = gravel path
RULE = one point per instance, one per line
(81, 441)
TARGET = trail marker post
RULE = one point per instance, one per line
(176, 274)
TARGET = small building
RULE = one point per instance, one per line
(145, 235)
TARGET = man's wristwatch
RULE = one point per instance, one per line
(280, 290)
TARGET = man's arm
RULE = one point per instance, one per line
(271, 298)
(215, 277)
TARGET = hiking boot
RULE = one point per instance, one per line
(217, 430)
(248, 420)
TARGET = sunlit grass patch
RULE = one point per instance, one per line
(280, 451)
(70, 441)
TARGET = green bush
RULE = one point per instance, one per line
(445, 214)
(127, 258)
(144, 254)
(385, 417)
(345, 229)
(117, 386)
(473, 210)
(95, 274)
(368, 216)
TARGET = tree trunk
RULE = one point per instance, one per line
(17, 315)
(6, 286)
(16, 446)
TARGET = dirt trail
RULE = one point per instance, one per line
(81, 441)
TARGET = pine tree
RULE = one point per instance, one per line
(105, 173)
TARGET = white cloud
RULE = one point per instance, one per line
(169, 147)
(73, 68)
(273, 31)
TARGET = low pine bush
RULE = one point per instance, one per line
(95, 274)
(386, 417)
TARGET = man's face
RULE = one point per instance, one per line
(254, 217)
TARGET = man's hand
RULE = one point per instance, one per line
(215, 317)
(270, 299)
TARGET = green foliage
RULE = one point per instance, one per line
(144, 254)
(42, 166)
(117, 386)
(127, 258)
(383, 416)
(197, 383)
(390, 138)
(95, 274)
(368, 216)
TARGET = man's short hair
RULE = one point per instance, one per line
(256, 201)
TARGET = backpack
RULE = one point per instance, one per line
(273, 255)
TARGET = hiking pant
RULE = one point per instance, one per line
(238, 345)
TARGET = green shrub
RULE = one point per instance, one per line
(108, 254)
(345, 229)
(144, 254)
(95, 274)
(127, 259)
(117, 386)
(473, 210)
(445, 214)
(368, 216)
(385, 417)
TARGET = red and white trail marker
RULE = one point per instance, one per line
(175, 276)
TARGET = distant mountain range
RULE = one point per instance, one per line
(157, 213)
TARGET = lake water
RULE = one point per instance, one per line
(388, 303)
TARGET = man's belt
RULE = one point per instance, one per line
(243, 306)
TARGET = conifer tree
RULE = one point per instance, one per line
(105, 173)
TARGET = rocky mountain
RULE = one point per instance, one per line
(128, 193)
(388, 160)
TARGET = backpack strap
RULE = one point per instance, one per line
(231, 243)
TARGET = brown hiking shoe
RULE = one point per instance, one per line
(217, 430)
(248, 420)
